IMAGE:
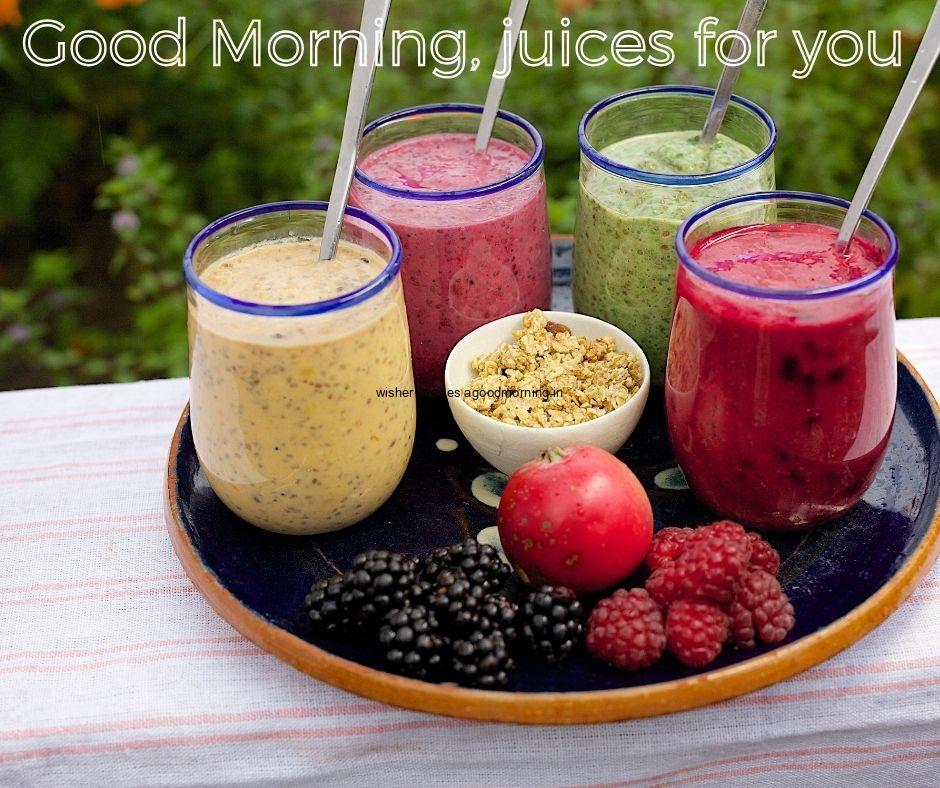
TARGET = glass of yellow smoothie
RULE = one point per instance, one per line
(302, 401)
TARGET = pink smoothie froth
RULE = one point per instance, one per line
(443, 162)
(467, 261)
(786, 256)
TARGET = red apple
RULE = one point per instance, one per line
(576, 517)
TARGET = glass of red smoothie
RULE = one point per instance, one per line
(782, 374)
(473, 226)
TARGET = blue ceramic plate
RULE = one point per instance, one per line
(843, 579)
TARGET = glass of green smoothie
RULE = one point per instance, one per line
(643, 172)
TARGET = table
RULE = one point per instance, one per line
(113, 670)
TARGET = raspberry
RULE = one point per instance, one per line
(627, 630)
(770, 608)
(763, 556)
(695, 631)
(740, 625)
(710, 567)
(666, 546)
(722, 529)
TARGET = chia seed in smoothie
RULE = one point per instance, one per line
(287, 420)
(466, 261)
(625, 263)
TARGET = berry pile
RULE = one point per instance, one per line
(708, 586)
(450, 617)
(454, 616)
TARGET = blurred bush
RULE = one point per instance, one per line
(107, 172)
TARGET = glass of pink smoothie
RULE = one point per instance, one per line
(473, 226)
(782, 374)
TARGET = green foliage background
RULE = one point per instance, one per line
(107, 172)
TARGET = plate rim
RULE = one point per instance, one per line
(591, 706)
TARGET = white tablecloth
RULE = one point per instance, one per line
(114, 671)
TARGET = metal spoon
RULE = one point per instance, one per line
(494, 95)
(374, 18)
(923, 64)
(750, 19)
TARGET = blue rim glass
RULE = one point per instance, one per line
(531, 167)
(689, 263)
(351, 298)
(665, 179)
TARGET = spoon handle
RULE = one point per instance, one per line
(372, 27)
(750, 19)
(923, 64)
(494, 95)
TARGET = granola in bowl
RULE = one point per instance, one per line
(549, 377)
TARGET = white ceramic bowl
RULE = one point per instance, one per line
(507, 446)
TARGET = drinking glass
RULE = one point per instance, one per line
(470, 255)
(780, 402)
(624, 260)
(289, 419)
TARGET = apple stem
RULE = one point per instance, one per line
(553, 454)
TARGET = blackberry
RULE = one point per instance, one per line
(326, 611)
(482, 660)
(455, 600)
(480, 563)
(377, 582)
(552, 622)
(498, 612)
(412, 643)
(418, 593)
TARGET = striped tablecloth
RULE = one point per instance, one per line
(113, 670)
